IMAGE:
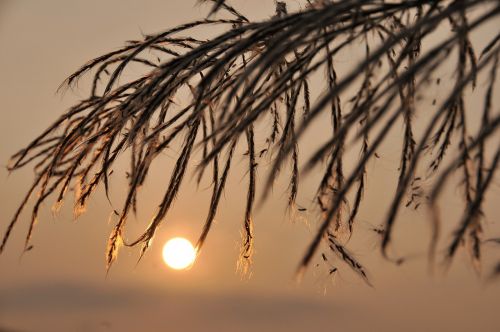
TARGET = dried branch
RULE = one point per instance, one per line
(258, 73)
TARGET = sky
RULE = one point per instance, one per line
(61, 284)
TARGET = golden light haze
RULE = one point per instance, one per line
(60, 285)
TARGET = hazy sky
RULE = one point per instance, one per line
(61, 284)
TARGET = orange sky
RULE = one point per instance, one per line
(61, 284)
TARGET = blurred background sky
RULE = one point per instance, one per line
(61, 285)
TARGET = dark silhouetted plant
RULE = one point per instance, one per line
(260, 73)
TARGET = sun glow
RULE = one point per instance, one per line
(179, 253)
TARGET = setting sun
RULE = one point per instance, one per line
(179, 253)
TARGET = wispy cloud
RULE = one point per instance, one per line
(128, 309)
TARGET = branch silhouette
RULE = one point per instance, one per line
(259, 72)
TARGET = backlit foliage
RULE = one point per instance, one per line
(260, 72)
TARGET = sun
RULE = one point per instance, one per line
(179, 253)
